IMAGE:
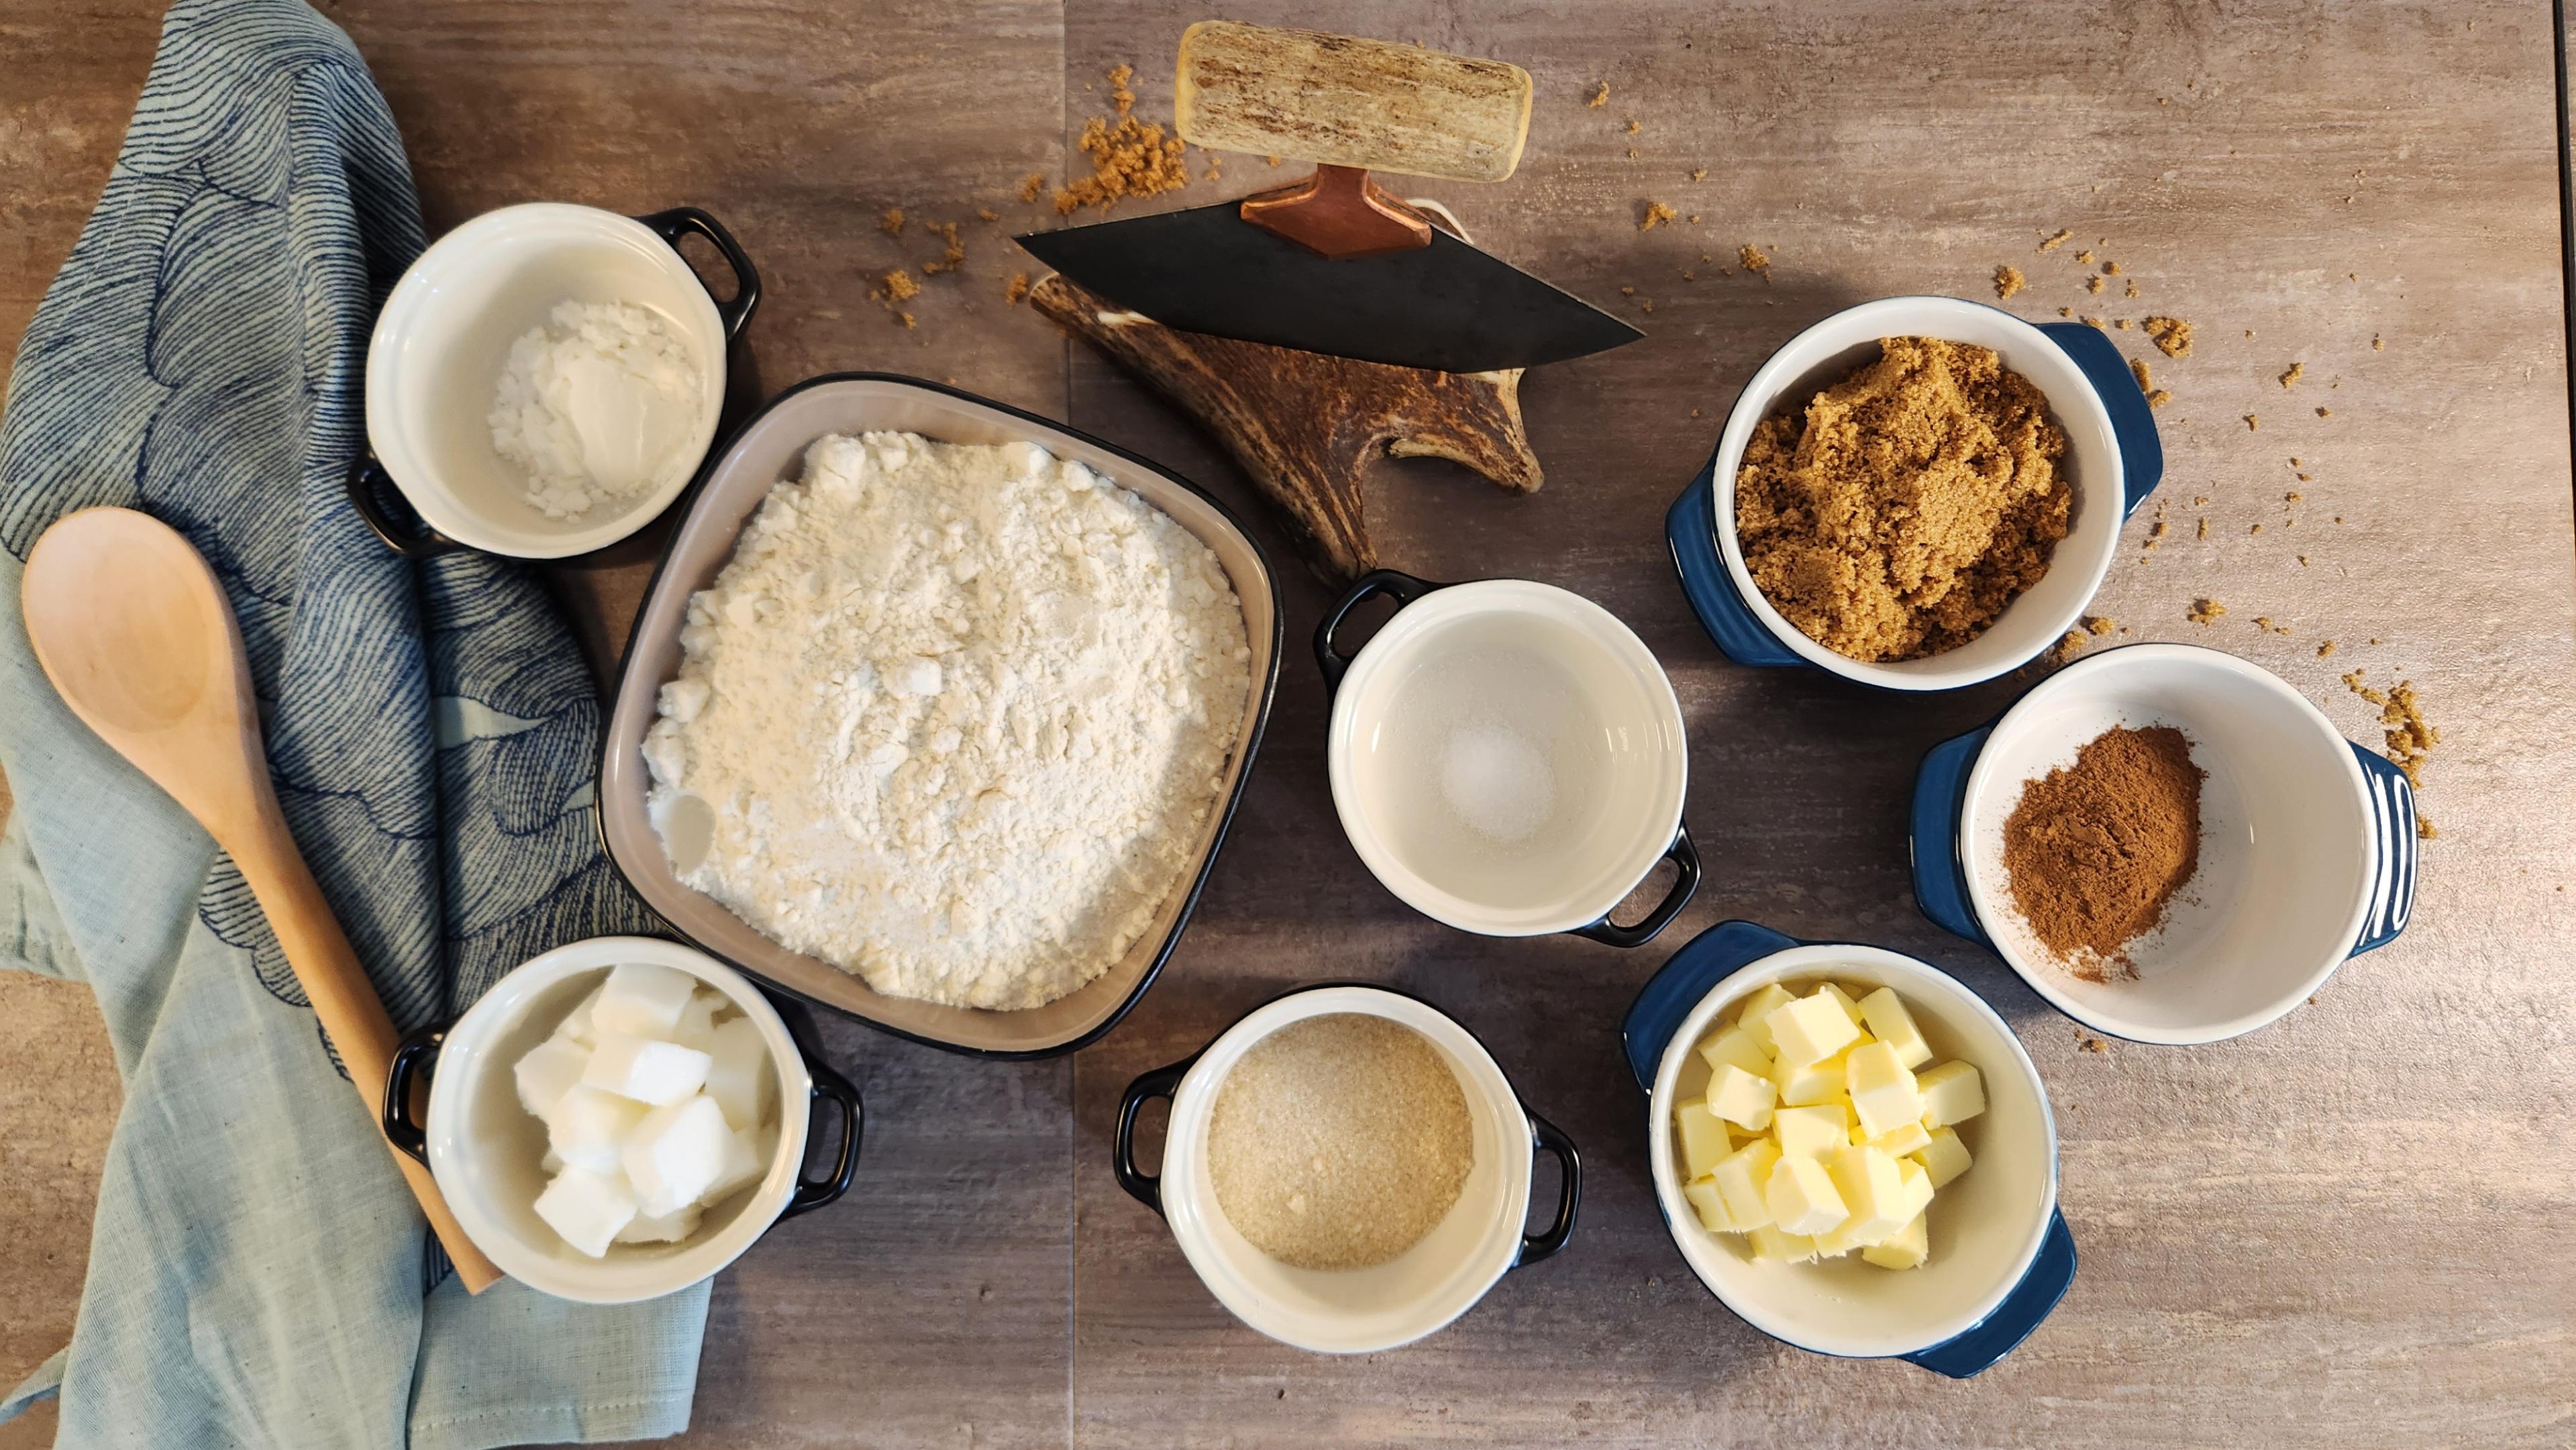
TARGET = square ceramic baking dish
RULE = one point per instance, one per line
(770, 447)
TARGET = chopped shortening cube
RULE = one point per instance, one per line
(1917, 1182)
(588, 1128)
(676, 1152)
(739, 1078)
(668, 1228)
(698, 1020)
(1815, 1082)
(1944, 1157)
(1810, 1029)
(1756, 1016)
(1907, 1248)
(1739, 1046)
(1872, 1191)
(1771, 1246)
(1741, 1098)
(576, 1026)
(1909, 1138)
(642, 999)
(1740, 1179)
(746, 1158)
(657, 1073)
(1884, 1013)
(1802, 1197)
(1952, 1093)
(1808, 1132)
(1711, 1208)
(1851, 1009)
(1883, 1093)
(1704, 1139)
(587, 1208)
(551, 1069)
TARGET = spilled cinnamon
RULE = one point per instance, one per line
(2095, 850)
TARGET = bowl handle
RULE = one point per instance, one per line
(366, 484)
(2001, 1332)
(829, 1088)
(1405, 589)
(1681, 983)
(681, 221)
(1552, 1141)
(416, 1058)
(2392, 817)
(1685, 859)
(1690, 528)
(1940, 789)
(2133, 419)
(1162, 1082)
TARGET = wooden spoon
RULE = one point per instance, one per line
(133, 629)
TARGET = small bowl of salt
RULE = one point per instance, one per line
(545, 380)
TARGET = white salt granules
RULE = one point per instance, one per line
(598, 405)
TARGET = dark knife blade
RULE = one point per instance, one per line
(1447, 307)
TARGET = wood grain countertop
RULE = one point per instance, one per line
(2347, 1229)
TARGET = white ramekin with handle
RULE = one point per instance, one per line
(487, 1152)
(2001, 1255)
(2113, 461)
(1353, 1311)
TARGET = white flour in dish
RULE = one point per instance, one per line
(597, 404)
(959, 713)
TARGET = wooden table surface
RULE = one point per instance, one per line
(2347, 1229)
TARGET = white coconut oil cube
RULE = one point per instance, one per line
(588, 1128)
(745, 1160)
(668, 1228)
(641, 999)
(656, 1073)
(698, 1020)
(676, 1153)
(576, 1026)
(738, 1077)
(586, 1208)
(547, 1073)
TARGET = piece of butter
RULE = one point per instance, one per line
(1917, 1184)
(1736, 1045)
(1810, 1029)
(1882, 1092)
(1755, 1018)
(1944, 1157)
(1851, 1009)
(1741, 1098)
(1883, 1012)
(1740, 1178)
(1771, 1246)
(1802, 1197)
(1809, 1132)
(1952, 1093)
(1907, 1248)
(1909, 1138)
(1814, 1082)
(1872, 1191)
(1711, 1207)
(1704, 1138)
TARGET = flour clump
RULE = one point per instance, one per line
(597, 405)
(960, 715)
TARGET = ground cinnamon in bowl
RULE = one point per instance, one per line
(2096, 850)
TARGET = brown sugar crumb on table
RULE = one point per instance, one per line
(1901, 509)
(2253, 422)
(1754, 260)
(1600, 95)
(1018, 290)
(953, 255)
(2008, 280)
(898, 286)
(1655, 215)
(892, 222)
(1699, 173)
(1032, 186)
(2293, 373)
(2092, 284)
(2171, 334)
(2206, 611)
(2326, 650)
(2156, 396)
(1132, 158)
(2052, 243)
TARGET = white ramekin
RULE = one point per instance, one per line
(2001, 1257)
(2113, 460)
(1396, 822)
(1353, 1311)
(486, 1151)
(445, 333)
(2307, 852)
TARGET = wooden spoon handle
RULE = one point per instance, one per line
(354, 1017)
(1310, 95)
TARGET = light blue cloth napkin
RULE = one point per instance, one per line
(256, 1270)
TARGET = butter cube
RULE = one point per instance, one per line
(1736, 1045)
(1810, 1029)
(1944, 1157)
(1756, 1016)
(1952, 1093)
(1906, 1249)
(1705, 1200)
(1883, 1012)
(1815, 1082)
(1771, 1246)
(1883, 1093)
(1835, 1242)
(650, 1072)
(641, 999)
(1740, 1179)
(1704, 1139)
(588, 1128)
(676, 1153)
(1802, 1197)
(1809, 1132)
(551, 1069)
(1741, 1098)
(587, 1209)
(1872, 1191)
(1917, 1183)
(1909, 1138)
(1851, 1008)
